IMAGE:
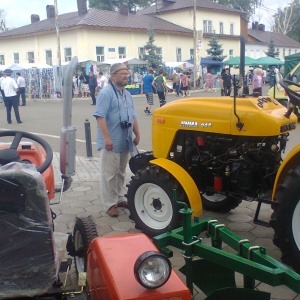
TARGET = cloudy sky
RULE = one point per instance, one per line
(18, 12)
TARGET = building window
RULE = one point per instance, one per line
(2, 59)
(290, 51)
(30, 57)
(231, 29)
(283, 52)
(191, 53)
(159, 51)
(221, 28)
(122, 52)
(48, 57)
(16, 58)
(141, 51)
(68, 54)
(100, 54)
(178, 54)
(207, 26)
(230, 53)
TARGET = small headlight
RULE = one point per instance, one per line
(152, 269)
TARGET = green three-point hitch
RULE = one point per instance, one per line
(213, 270)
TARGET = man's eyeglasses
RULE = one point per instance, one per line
(123, 73)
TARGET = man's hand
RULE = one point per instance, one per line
(108, 144)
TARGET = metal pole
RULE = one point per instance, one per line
(88, 140)
(195, 43)
(58, 50)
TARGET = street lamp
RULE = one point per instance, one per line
(58, 49)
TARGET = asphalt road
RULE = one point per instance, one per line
(45, 118)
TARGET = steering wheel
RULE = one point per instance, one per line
(18, 135)
(293, 95)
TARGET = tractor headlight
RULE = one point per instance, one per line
(152, 269)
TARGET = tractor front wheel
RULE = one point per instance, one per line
(150, 200)
(285, 219)
(84, 232)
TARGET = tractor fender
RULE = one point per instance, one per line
(186, 181)
(290, 161)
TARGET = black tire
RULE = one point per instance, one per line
(219, 202)
(285, 219)
(150, 200)
(84, 232)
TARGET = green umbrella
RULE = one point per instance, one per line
(269, 61)
(236, 61)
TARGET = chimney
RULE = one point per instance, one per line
(82, 7)
(50, 11)
(124, 10)
(261, 27)
(35, 18)
(163, 3)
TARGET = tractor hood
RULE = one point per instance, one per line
(260, 116)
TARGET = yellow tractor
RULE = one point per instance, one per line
(217, 152)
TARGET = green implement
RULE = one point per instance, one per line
(213, 270)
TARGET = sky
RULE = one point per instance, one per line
(18, 12)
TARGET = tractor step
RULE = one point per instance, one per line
(256, 220)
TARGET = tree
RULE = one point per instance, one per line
(154, 60)
(287, 20)
(114, 4)
(215, 51)
(246, 6)
(2, 21)
(271, 50)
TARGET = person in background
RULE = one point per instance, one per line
(264, 76)
(2, 76)
(10, 88)
(148, 91)
(257, 81)
(84, 87)
(21, 92)
(103, 81)
(116, 121)
(92, 86)
(226, 77)
(159, 83)
(209, 84)
(175, 80)
(178, 91)
(184, 84)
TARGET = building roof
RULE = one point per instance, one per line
(110, 20)
(279, 39)
(183, 4)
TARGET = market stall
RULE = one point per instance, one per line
(137, 69)
(38, 78)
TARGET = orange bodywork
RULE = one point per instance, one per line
(110, 274)
(36, 155)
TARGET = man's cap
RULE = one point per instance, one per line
(8, 71)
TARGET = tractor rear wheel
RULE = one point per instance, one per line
(84, 232)
(285, 219)
(219, 202)
(150, 200)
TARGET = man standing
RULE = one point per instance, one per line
(92, 86)
(21, 91)
(2, 76)
(103, 81)
(226, 77)
(147, 89)
(116, 120)
(10, 88)
(159, 83)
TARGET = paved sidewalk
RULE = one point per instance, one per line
(82, 199)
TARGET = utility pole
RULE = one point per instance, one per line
(58, 57)
(195, 42)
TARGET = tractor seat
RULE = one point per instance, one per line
(27, 257)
